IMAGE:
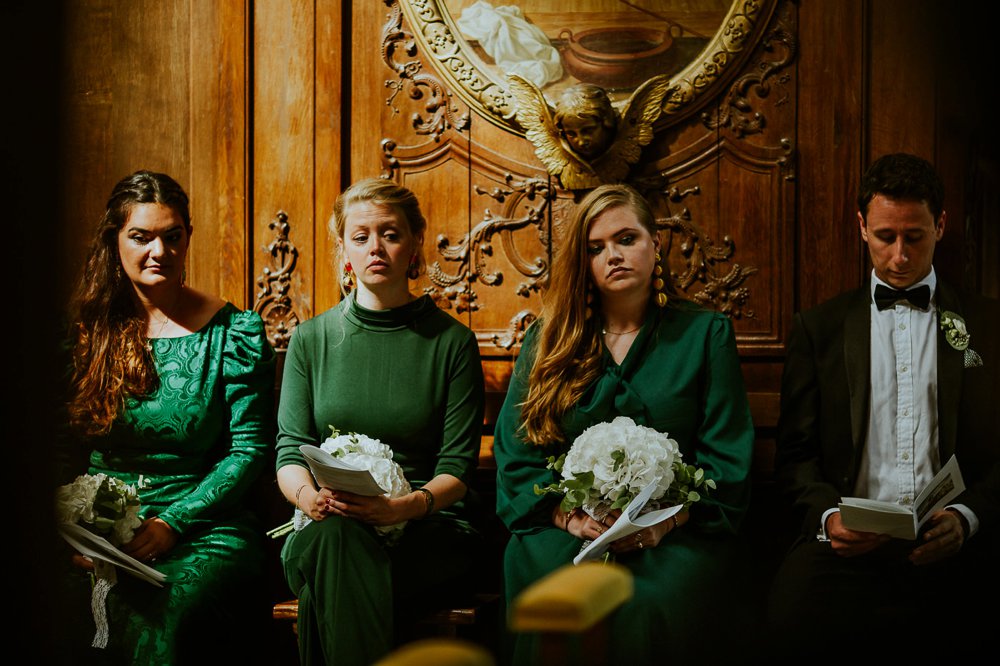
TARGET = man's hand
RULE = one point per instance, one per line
(944, 538)
(849, 543)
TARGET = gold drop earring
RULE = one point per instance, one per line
(661, 297)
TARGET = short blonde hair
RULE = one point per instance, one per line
(380, 192)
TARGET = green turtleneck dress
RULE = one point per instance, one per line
(410, 377)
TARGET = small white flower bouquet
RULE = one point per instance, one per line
(363, 453)
(103, 504)
(108, 507)
(610, 463)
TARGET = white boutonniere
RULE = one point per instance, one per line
(958, 337)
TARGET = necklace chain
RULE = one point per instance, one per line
(163, 324)
(605, 331)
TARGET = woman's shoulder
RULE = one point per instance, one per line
(692, 319)
(442, 322)
(311, 327)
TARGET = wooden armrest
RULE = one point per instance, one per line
(438, 651)
(572, 598)
(286, 610)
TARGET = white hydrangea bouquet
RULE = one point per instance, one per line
(108, 507)
(361, 452)
(103, 504)
(610, 463)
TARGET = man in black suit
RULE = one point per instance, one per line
(881, 386)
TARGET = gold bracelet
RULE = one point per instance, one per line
(297, 493)
(430, 500)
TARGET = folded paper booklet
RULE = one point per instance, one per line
(630, 522)
(336, 474)
(97, 547)
(903, 522)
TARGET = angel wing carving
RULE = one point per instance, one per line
(535, 116)
(632, 129)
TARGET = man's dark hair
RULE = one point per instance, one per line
(902, 176)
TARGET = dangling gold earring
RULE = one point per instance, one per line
(661, 297)
(413, 270)
(347, 279)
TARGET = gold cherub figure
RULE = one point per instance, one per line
(584, 141)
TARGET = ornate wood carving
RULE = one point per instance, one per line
(273, 302)
(701, 265)
(737, 112)
(416, 83)
(704, 259)
(471, 251)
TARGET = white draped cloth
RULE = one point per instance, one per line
(516, 46)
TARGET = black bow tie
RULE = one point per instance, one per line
(886, 297)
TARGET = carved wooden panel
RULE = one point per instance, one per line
(722, 182)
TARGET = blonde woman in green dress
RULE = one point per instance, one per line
(390, 365)
(172, 389)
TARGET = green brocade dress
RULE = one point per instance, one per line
(412, 378)
(682, 377)
(198, 443)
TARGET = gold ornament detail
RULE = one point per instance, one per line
(584, 141)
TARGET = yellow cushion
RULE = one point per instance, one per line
(440, 652)
(572, 598)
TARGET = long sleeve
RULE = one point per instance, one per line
(520, 465)
(248, 395)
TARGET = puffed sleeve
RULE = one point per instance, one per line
(248, 367)
(521, 465)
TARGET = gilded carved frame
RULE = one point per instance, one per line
(707, 74)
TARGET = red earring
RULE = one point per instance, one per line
(347, 279)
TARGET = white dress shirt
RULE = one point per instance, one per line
(901, 450)
(900, 456)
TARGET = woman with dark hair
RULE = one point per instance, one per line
(171, 391)
(393, 367)
(615, 339)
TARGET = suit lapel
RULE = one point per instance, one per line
(857, 361)
(949, 376)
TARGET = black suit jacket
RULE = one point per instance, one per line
(825, 394)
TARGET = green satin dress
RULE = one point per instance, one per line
(198, 444)
(682, 377)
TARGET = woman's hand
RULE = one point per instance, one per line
(649, 537)
(578, 523)
(83, 562)
(153, 539)
(377, 510)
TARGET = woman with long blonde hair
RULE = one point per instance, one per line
(615, 339)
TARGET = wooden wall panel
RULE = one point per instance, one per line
(830, 148)
(161, 86)
(218, 151)
(283, 135)
(331, 57)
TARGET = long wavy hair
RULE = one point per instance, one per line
(111, 361)
(569, 348)
(379, 192)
